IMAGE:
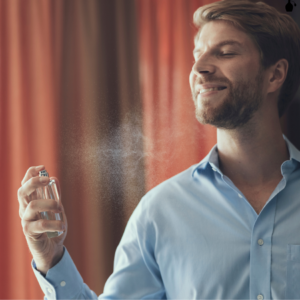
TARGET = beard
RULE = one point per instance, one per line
(236, 109)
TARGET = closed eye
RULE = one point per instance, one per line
(222, 54)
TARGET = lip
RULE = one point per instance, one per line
(209, 93)
(208, 86)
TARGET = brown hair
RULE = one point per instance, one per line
(276, 35)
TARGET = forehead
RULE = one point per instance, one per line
(214, 32)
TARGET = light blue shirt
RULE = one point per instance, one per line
(195, 236)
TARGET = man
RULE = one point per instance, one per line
(228, 227)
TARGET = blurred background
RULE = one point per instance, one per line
(98, 92)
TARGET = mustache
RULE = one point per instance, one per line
(211, 80)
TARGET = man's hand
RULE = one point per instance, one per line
(46, 252)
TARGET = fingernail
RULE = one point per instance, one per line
(39, 167)
(44, 179)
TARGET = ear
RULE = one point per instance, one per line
(278, 73)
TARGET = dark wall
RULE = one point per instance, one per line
(293, 113)
(290, 122)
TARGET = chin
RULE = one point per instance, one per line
(204, 117)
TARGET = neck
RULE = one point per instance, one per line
(253, 155)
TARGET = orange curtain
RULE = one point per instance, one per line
(174, 138)
(69, 99)
(28, 125)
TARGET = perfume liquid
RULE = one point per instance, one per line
(49, 192)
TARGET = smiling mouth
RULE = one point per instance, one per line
(212, 89)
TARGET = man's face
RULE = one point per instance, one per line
(234, 66)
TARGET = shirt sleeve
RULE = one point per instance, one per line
(136, 273)
(63, 281)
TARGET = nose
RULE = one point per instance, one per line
(203, 66)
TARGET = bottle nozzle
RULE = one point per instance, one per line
(43, 173)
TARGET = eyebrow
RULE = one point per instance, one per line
(223, 43)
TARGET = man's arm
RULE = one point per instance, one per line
(63, 281)
(136, 273)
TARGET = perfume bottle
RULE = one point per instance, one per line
(49, 192)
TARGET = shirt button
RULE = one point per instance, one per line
(49, 290)
(260, 297)
(260, 242)
(240, 196)
(63, 283)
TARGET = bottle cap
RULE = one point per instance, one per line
(43, 173)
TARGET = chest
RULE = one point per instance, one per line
(258, 196)
(206, 246)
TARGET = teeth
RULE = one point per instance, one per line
(211, 89)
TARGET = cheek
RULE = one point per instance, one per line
(240, 69)
(246, 72)
(236, 76)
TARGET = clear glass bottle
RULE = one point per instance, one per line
(49, 192)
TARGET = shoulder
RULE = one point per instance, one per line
(170, 187)
(172, 192)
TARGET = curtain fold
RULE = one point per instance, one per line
(101, 163)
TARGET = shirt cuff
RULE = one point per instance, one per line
(63, 281)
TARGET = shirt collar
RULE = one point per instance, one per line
(212, 158)
(294, 152)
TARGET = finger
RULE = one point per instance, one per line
(30, 186)
(32, 172)
(41, 226)
(33, 209)
(24, 201)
